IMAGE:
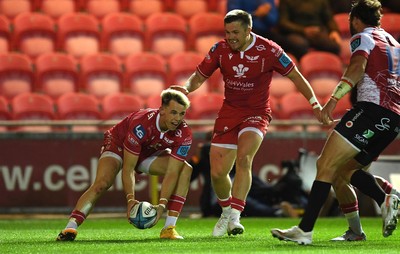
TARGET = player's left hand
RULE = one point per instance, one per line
(130, 204)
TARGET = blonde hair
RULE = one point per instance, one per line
(170, 94)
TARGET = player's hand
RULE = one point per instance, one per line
(179, 88)
(160, 211)
(326, 113)
(311, 31)
(130, 204)
(317, 113)
(263, 10)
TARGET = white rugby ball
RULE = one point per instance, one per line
(143, 215)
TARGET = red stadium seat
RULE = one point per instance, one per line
(342, 20)
(205, 106)
(295, 106)
(28, 106)
(145, 74)
(11, 8)
(34, 34)
(5, 113)
(321, 68)
(118, 105)
(79, 106)
(281, 86)
(78, 34)
(222, 6)
(391, 23)
(16, 74)
(188, 8)
(181, 67)
(166, 33)
(100, 8)
(122, 34)
(33, 106)
(5, 34)
(101, 74)
(153, 101)
(205, 29)
(56, 74)
(56, 8)
(144, 8)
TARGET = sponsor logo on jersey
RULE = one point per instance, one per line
(285, 60)
(361, 139)
(230, 55)
(169, 141)
(368, 134)
(355, 43)
(139, 131)
(384, 125)
(240, 70)
(132, 139)
(214, 47)
(178, 133)
(208, 58)
(261, 47)
(183, 151)
(252, 58)
(349, 124)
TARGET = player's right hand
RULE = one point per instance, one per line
(179, 88)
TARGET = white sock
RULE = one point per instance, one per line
(72, 224)
(353, 219)
(170, 221)
(226, 211)
(235, 214)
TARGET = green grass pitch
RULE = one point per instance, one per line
(116, 235)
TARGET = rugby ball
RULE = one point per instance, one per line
(143, 215)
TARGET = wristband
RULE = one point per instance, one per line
(131, 199)
(162, 205)
(314, 103)
(164, 199)
(344, 86)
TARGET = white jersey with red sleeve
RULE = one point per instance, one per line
(140, 134)
(381, 82)
(247, 74)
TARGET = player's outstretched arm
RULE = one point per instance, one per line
(306, 90)
(128, 180)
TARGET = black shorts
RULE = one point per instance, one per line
(370, 128)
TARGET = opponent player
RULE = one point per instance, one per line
(247, 62)
(367, 129)
(149, 141)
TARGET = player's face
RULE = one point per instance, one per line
(172, 115)
(237, 36)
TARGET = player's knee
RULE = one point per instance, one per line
(243, 162)
(102, 185)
